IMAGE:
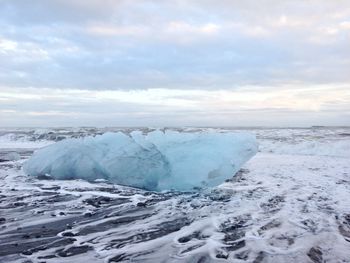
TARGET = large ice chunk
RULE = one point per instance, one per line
(155, 161)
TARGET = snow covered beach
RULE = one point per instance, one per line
(289, 203)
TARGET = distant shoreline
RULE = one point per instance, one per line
(176, 127)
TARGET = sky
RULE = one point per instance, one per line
(174, 63)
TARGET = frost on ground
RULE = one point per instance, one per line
(283, 206)
(153, 161)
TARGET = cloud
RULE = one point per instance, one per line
(158, 107)
(173, 44)
(112, 31)
(203, 49)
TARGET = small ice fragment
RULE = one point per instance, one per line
(11, 156)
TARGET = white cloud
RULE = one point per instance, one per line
(345, 24)
(117, 30)
(7, 45)
(183, 27)
(147, 58)
(22, 51)
(138, 106)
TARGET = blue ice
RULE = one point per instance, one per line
(154, 161)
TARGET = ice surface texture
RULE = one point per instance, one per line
(155, 161)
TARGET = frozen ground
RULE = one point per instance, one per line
(289, 203)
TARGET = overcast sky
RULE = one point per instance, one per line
(181, 62)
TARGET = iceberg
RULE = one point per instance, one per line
(154, 161)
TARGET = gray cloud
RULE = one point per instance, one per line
(273, 53)
(173, 44)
